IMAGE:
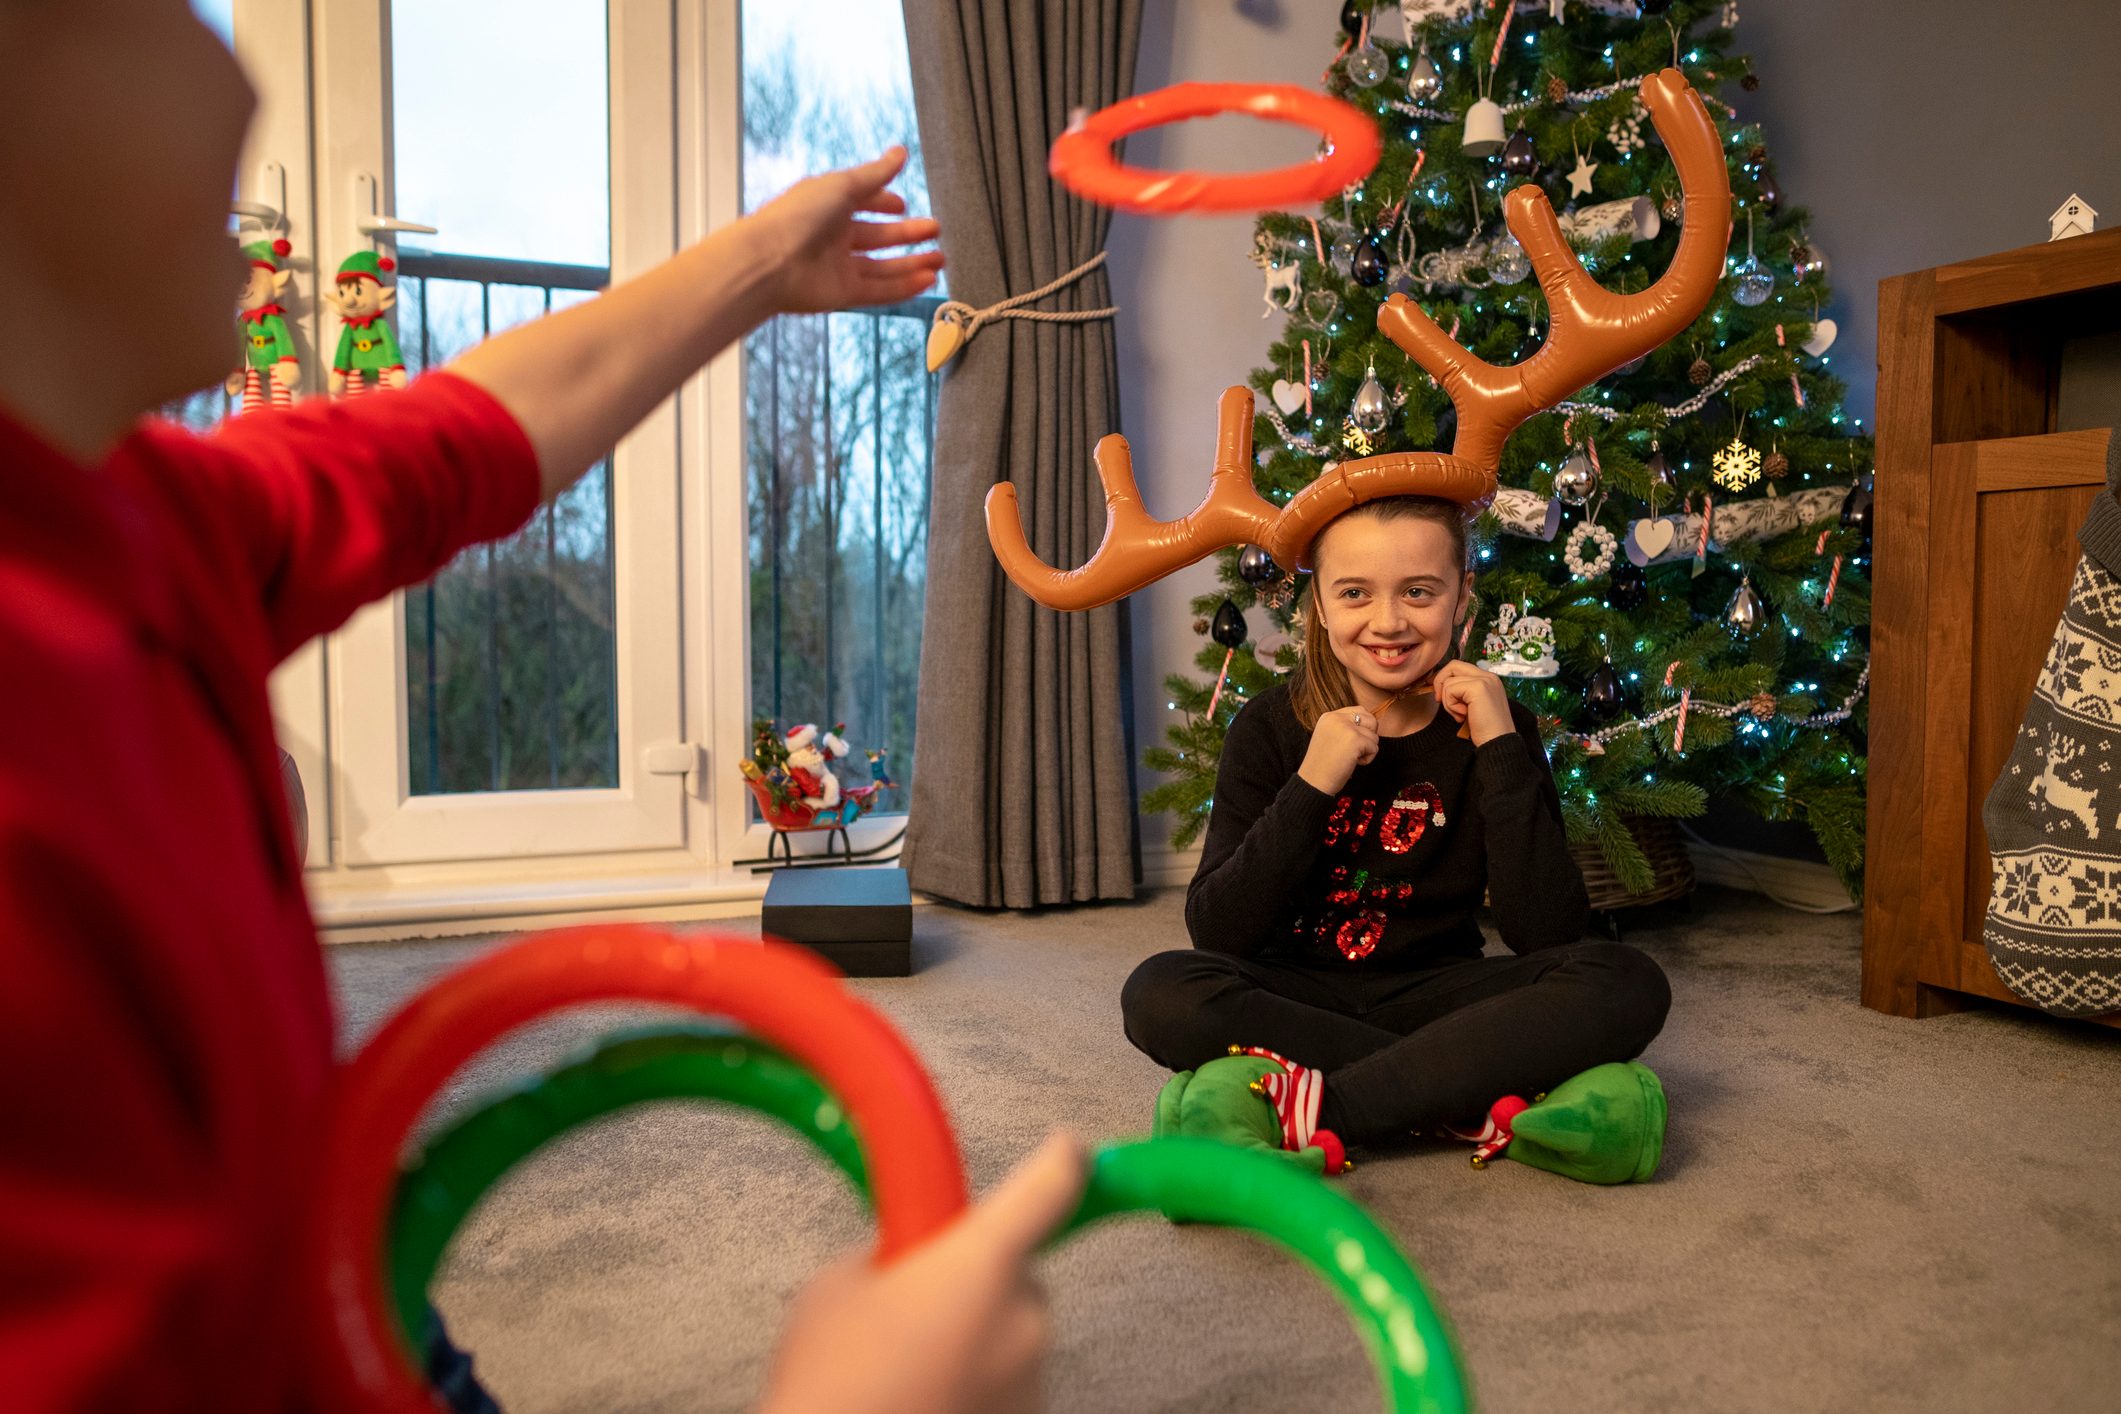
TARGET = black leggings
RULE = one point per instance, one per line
(1407, 1049)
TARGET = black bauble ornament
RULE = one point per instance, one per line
(1369, 266)
(1856, 507)
(1770, 195)
(1628, 587)
(1519, 157)
(1228, 629)
(1653, 7)
(1659, 469)
(1601, 695)
(1351, 19)
(1446, 428)
(1256, 566)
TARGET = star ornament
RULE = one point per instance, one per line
(1736, 466)
(1580, 176)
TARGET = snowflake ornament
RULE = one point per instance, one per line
(1625, 132)
(1355, 438)
(1737, 466)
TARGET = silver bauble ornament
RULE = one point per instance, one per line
(1368, 66)
(1424, 84)
(1371, 409)
(1745, 613)
(1507, 263)
(1576, 480)
(1753, 281)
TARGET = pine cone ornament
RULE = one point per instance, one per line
(1672, 207)
(1750, 83)
(1775, 467)
(1699, 373)
(1762, 706)
(1557, 89)
(1200, 625)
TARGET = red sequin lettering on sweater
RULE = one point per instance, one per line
(1411, 813)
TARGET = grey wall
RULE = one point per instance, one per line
(1916, 134)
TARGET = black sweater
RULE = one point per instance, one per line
(1391, 871)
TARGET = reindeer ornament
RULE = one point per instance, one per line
(1287, 279)
(1593, 332)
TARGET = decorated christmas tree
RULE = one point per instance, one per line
(1673, 577)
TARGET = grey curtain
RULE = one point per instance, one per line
(1023, 791)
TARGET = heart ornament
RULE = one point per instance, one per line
(1647, 539)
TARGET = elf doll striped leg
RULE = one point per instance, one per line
(283, 393)
(253, 391)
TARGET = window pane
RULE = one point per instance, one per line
(511, 651)
(501, 166)
(220, 15)
(839, 408)
(208, 406)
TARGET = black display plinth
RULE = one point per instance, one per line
(859, 920)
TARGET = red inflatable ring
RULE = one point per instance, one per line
(1082, 159)
(780, 993)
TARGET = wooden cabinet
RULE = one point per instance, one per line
(1978, 500)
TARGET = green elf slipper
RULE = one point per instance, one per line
(1231, 1100)
(1603, 1126)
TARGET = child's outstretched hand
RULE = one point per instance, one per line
(955, 1327)
(1340, 742)
(1475, 697)
(818, 248)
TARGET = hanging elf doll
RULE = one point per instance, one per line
(366, 343)
(269, 368)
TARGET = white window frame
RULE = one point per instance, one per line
(382, 864)
(382, 822)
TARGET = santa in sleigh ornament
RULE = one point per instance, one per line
(791, 777)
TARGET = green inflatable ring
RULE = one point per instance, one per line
(1187, 1180)
(1199, 1180)
(439, 1189)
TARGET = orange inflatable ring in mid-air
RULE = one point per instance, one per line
(1082, 159)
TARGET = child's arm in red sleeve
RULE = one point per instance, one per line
(332, 505)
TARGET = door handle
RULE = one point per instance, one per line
(373, 222)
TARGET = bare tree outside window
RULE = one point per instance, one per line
(839, 408)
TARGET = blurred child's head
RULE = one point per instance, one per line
(1391, 581)
(120, 125)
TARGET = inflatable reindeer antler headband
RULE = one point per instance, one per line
(1592, 332)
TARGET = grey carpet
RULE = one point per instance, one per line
(1855, 1213)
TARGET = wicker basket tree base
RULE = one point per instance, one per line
(1661, 844)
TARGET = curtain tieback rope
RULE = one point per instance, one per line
(956, 322)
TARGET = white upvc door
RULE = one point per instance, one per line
(385, 807)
